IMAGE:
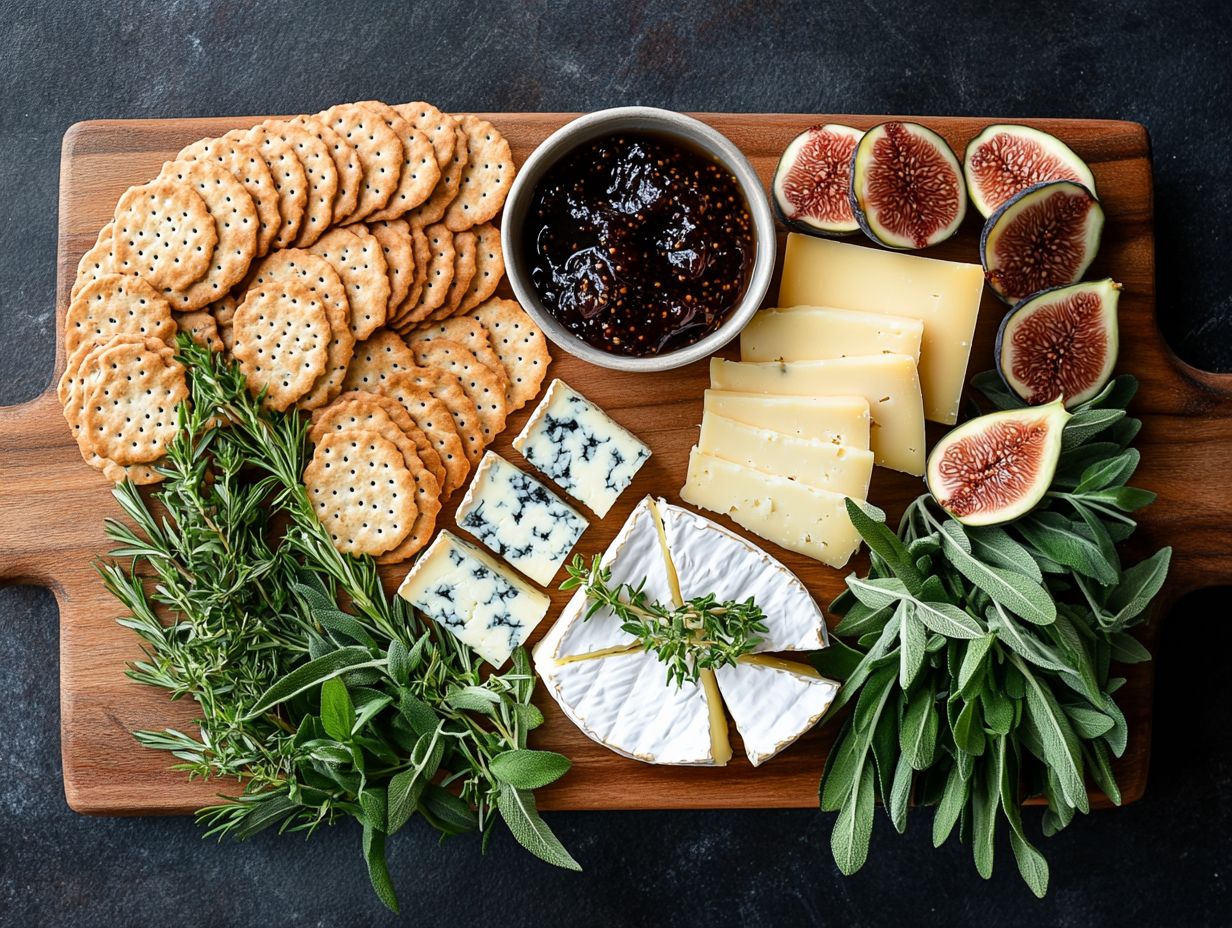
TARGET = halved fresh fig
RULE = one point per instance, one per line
(1061, 342)
(997, 467)
(907, 188)
(811, 183)
(1045, 236)
(1004, 160)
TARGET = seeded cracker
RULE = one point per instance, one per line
(201, 327)
(440, 128)
(397, 412)
(362, 492)
(433, 209)
(447, 388)
(520, 344)
(99, 260)
(245, 162)
(357, 257)
(114, 304)
(432, 416)
(377, 358)
(281, 338)
(486, 179)
(464, 245)
(318, 276)
(164, 233)
(379, 149)
(129, 411)
(420, 172)
(394, 237)
(234, 215)
(467, 331)
(485, 389)
(489, 266)
(290, 183)
(346, 163)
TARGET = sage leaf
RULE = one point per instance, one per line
(1139, 585)
(337, 710)
(917, 737)
(971, 671)
(995, 545)
(1057, 737)
(860, 620)
(1127, 649)
(399, 661)
(900, 794)
(1031, 863)
(517, 808)
(1015, 592)
(1025, 645)
(418, 714)
(312, 674)
(527, 769)
(953, 801)
(854, 826)
(985, 799)
(373, 802)
(1112, 472)
(1085, 424)
(837, 660)
(879, 593)
(912, 640)
(404, 791)
(885, 544)
(1088, 723)
(1100, 765)
(472, 699)
(843, 767)
(947, 620)
(451, 814)
(378, 867)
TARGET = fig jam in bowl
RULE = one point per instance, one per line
(638, 239)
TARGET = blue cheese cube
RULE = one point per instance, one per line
(465, 590)
(516, 516)
(588, 455)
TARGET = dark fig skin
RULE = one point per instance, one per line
(795, 224)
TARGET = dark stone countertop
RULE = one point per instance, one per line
(1164, 861)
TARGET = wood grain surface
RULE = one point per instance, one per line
(52, 505)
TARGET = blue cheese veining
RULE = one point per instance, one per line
(463, 589)
(514, 515)
(573, 441)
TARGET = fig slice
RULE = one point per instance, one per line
(907, 188)
(997, 467)
(1061, 342)
(1004, 160)
(1044, 236)
(812, 180)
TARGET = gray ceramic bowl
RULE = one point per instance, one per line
(665, 123)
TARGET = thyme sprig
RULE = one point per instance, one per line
(703, 633)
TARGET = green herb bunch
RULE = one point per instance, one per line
(701, 634)
(321, 713)
(983, 667)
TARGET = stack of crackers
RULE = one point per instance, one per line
(348, 262)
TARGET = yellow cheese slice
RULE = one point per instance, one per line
(816, 333)
(944, 295)
(889, 382)
(821, 464)
(789, 513)
(841, 420)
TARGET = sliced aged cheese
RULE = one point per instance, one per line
(773, 702)
(889, 382)
(793, 515)
(842, 420)
(816, 333)
(821, 464)
(944, 295)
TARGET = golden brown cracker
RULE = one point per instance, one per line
(319, 170)
(394, 236)
(113, 304)
(396, 411)
(489, 266)
(465, 245)
(441, 128)
(290, 183)
(346, 163)
(465, 330)
(164, 233)
(433, 209)
(438, 276)
(244, 161)
(521, 345)
(447, 388)
(98, 260)
(357, 257)
(420, 172)
(376, 359)
(485, 390)
(434, 418)
(201, 326)
(223, 310)
(486, 179)
(129, 412)
(282, 337)
(380, 154)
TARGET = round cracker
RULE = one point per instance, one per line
(440, 128)
(434, 419)
(464, 245)
(485, 389)
(521, 345)
(421, 250)
(320, 277)
(447, 388)
(114, 304)
(380, 154)
(290, 183)
(97, 261)
(394, 236)
(433, 209)
(223, 310)
(439, 274)
(244, 161)
(164, 232)
(489, 266)
(377, 358)
(319, 170)
(129, 412)
(201, 326)
(420, 172)
(396, 411)
(346, 162)
(485, 180)
(362, 491)
(236, 218)
(357, 257)
(465, 330)
(282, 336)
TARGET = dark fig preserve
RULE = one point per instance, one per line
(638, 244)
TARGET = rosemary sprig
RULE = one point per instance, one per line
(701, 634)
(319, 712)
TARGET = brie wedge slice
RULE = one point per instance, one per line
(773, 702)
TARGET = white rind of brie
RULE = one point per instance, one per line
(619, 695)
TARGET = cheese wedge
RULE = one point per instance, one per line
(944, 295)
(793, 515)
(773, 702)
(841, 420)
(816, 333)
(889, 382)
(818, 463)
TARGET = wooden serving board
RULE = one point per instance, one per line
(52, 505)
